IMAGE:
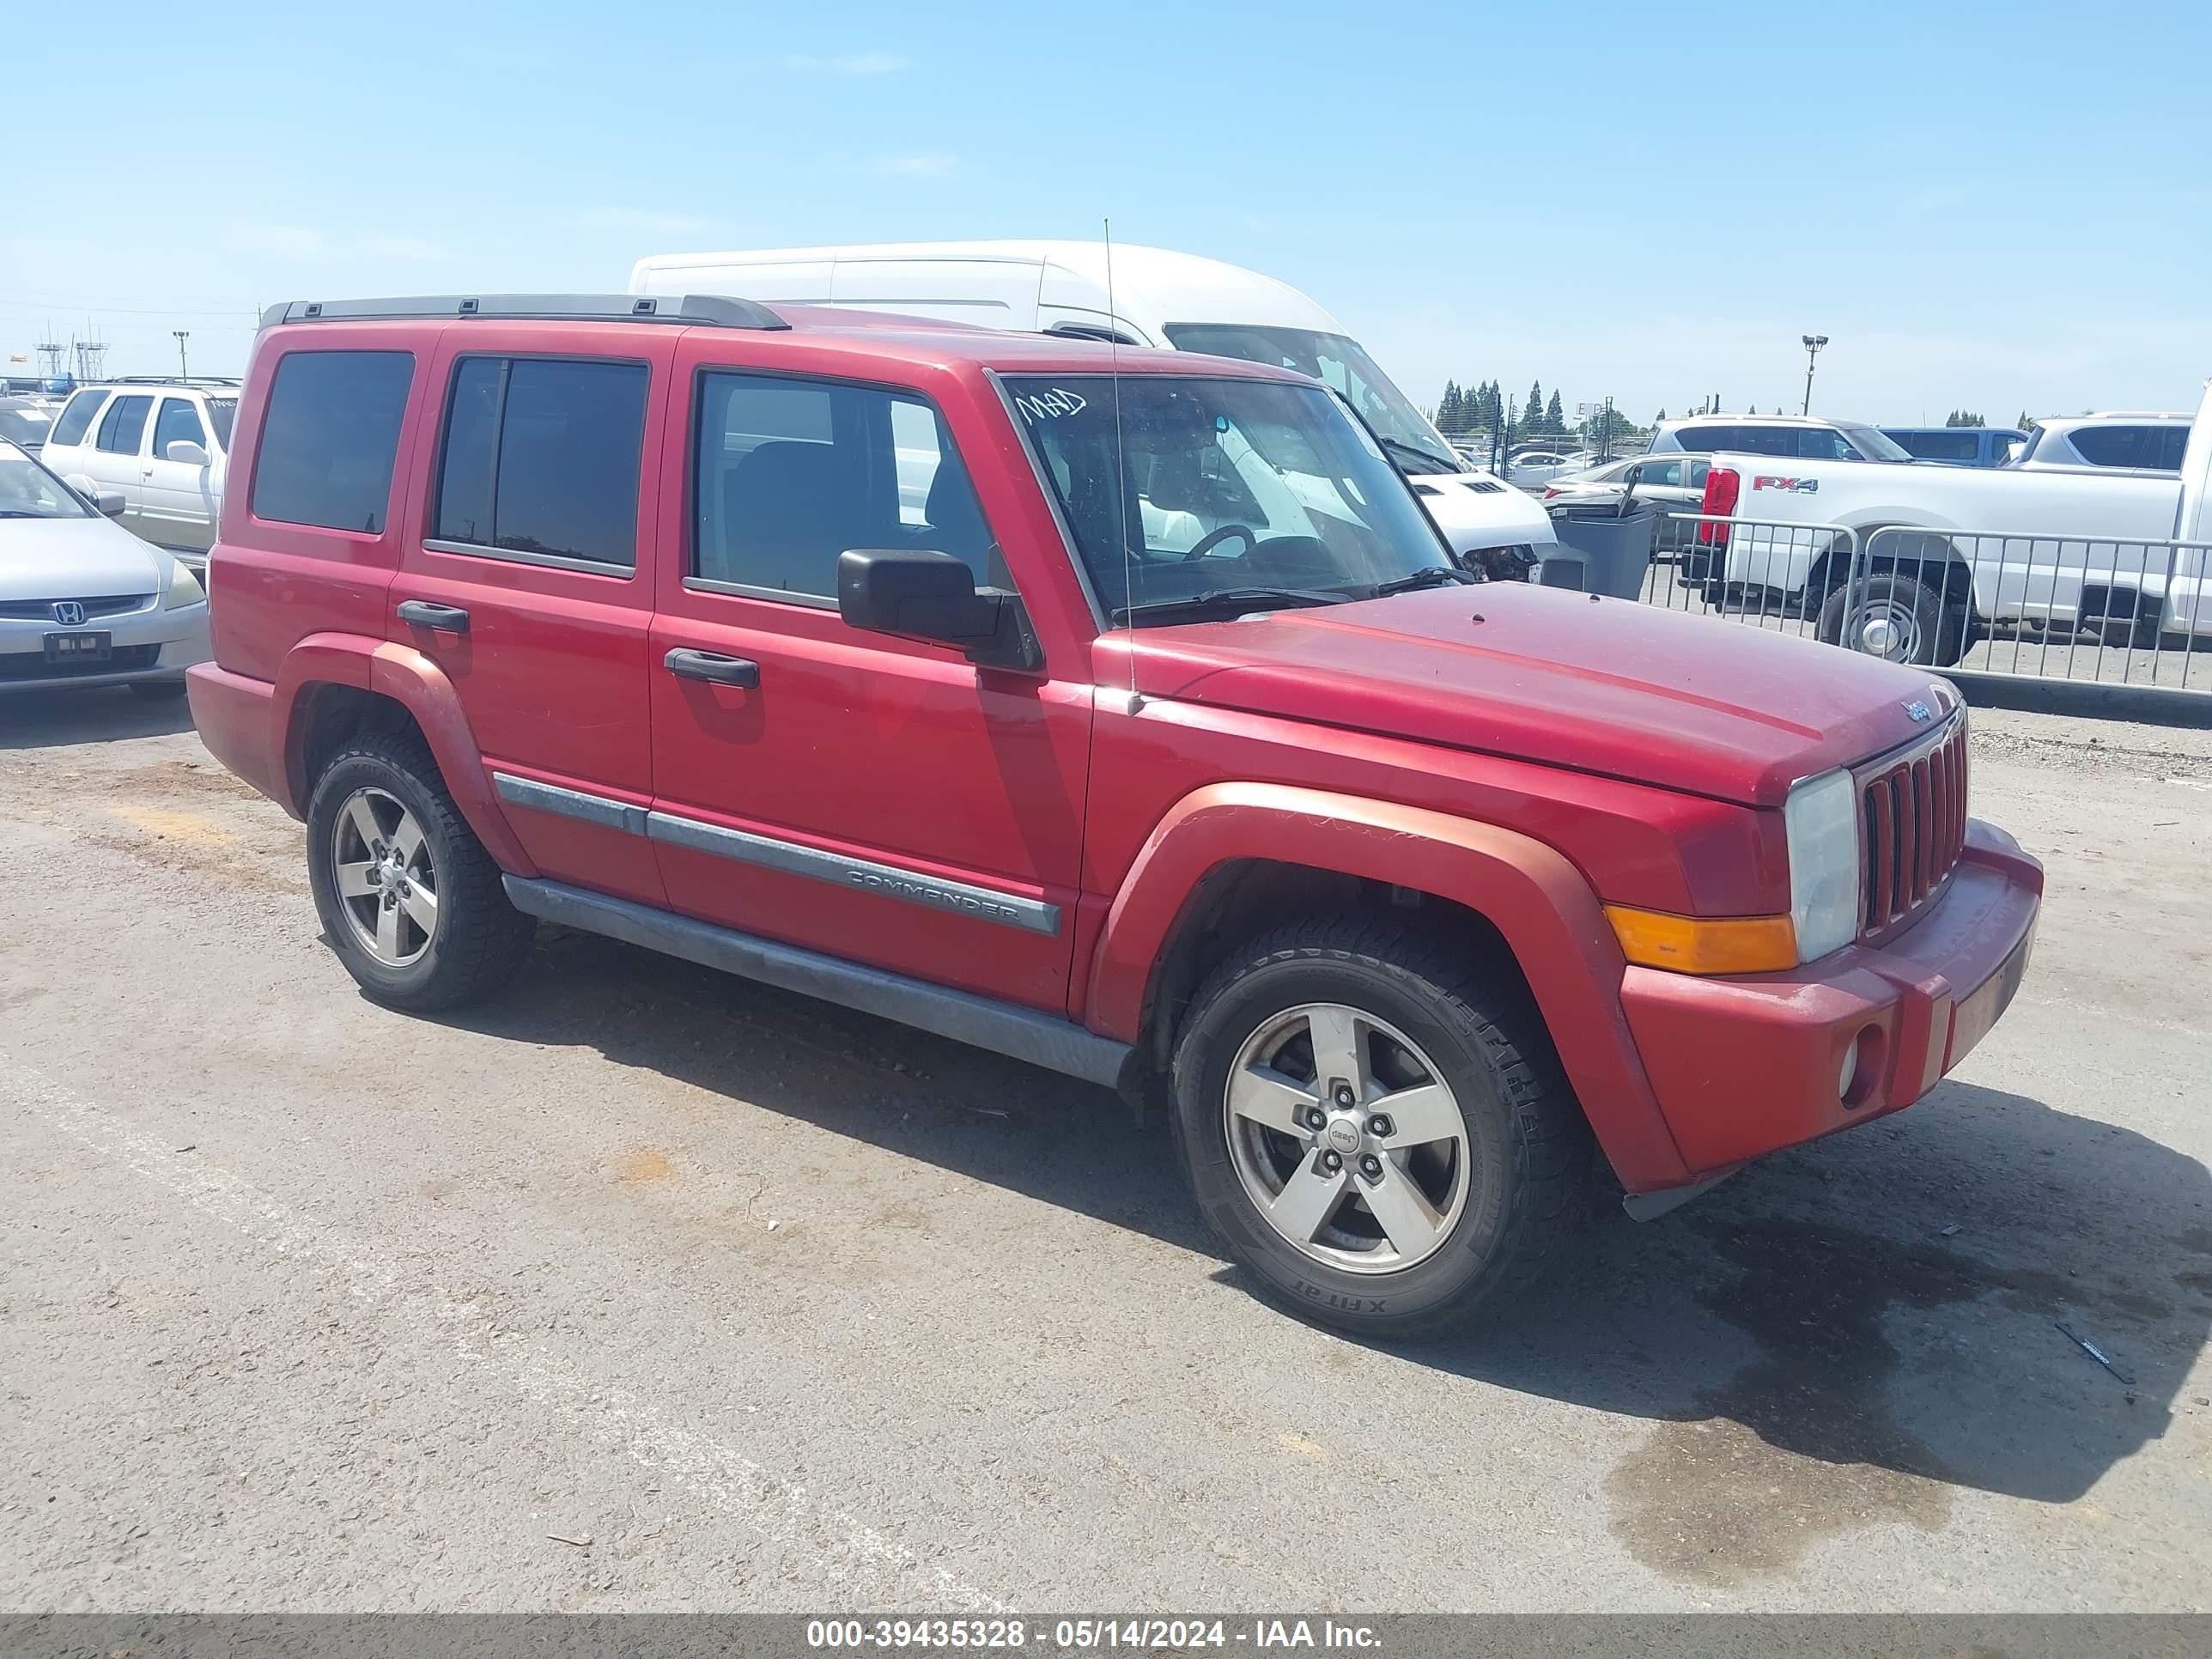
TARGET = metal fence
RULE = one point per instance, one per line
(2100, 610)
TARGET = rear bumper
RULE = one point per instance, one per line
(1745, 1066)
(236, 717)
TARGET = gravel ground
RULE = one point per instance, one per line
(644, 1288)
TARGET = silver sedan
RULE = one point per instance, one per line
(82, 601)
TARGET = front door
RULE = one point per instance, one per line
(176, 504)
(525, 573)
(881, 800)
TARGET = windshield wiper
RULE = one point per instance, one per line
(1240, 599)
(1429, 576)
(1430, 460)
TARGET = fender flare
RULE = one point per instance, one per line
(417, 684)
(1535, 898)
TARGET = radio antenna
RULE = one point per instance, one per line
(1121, 463)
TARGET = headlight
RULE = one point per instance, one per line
(1822, 820)
(184, 588)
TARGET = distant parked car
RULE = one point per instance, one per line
(25, 422)
(1535, 466)
(1958, 446)
(164, 444)
(81, 602)
(1807, 437)
(1678, 481)
(2137, 441)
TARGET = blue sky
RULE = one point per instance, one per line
(1991, 205)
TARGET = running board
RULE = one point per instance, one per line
(1058, 1045)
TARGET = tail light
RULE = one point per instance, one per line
(1723, 485)
(1549, 492)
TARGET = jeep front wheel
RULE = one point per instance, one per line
(1377, 1133)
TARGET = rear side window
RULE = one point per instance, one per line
(541, 459)
(178, 420)
(76, 419)
(2132, 445)
(1709, 438)
(329, 437)
(1956, 444)
(789, 474)
(119, 434)
(222, 411)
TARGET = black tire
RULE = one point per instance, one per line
(158, 691)
(1528, 1146)
(1936, 637)
(480, 938)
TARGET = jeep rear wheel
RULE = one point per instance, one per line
(409, 898)
(1378, 1134)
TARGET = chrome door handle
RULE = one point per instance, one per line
(445, 618)
(711, 665)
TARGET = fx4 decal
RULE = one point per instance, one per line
(1801, 486)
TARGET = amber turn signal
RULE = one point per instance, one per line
(1693, 944)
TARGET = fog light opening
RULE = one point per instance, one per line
(1860, 1071)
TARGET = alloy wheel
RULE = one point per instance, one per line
(1348, 1139)
(388, 885)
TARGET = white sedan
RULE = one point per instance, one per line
(82, 601)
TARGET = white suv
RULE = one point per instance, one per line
(1806, 437)
(2141, 442)
(162, 444)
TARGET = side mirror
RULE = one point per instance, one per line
(108, 503)
(185, 450)
(922, 595)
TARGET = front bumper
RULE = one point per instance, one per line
(1749, 1066)
(147, 644)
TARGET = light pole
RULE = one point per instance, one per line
(1812, 344)
(182, 334)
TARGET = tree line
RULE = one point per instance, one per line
(1482, 409)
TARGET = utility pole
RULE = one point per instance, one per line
(1812, 344)
(182, 334)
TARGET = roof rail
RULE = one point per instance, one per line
(710, 310)
(172, 379)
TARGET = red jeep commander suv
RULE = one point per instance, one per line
(1120, 712)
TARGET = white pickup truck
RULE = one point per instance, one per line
(1940, 552)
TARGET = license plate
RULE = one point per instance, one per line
(77, 647)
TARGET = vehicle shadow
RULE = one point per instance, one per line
(1852, 1329)
(54, 717)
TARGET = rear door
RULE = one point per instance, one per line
(525, 573)
(117, 455)
(882, 800)
(177, 500)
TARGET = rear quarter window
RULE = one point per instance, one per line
(76, 419)
(329, 437)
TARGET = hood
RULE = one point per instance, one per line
(88, 558)
(1477, 509)
(1610, 686)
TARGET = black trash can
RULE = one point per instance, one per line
(1605, 547)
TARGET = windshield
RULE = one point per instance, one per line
(26, 426)
(1337, 361)
(1227, 488)
(27, 491)
(1875, 445)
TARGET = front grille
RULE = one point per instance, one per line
(1912, 822)
(123, 659)
(43, 610)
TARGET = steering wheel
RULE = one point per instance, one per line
(1213, 539)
